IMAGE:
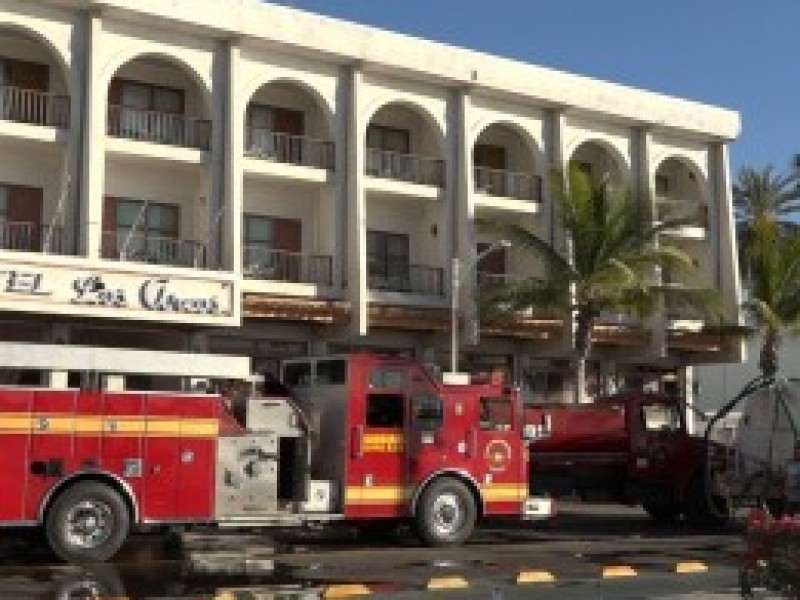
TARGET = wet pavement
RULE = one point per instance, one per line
(574, 548)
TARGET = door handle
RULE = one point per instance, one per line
(356, 442)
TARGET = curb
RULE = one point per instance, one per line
(532, 577)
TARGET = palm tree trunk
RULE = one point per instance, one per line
(583, 345)
(768, 360)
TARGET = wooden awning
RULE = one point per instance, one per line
(331, 312)
(521, 327)
(620, 335)
(410, 318)
(697, 341)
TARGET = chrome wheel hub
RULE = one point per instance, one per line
(89, 524)
(448, 514)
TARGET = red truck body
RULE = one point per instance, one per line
(631, 448)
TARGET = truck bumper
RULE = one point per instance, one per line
(535, 508)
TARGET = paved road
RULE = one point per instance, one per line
(574, 548)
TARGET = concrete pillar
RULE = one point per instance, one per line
(233, 158)
(356, 203)
(113, 383)
(339, 215)
(58, 380)
(688, 395)
(93, 134)
(215, 205)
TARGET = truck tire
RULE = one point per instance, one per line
(663, 514)
(446, 513)
(88, 522)
(699, 512)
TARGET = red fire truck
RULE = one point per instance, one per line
(360, 438)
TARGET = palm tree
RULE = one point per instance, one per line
(764, 193)
(772, 259)
(608, 265)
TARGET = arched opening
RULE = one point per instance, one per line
(403, 143)
(681, 191)
(33, 92)
(159, 100)
(600, 162)
(505, 164)
(289, 123)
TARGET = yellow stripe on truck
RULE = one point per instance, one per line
(384, 442)
(60, 424)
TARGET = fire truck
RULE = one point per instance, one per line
(355, 438)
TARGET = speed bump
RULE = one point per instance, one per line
(691, 567)
(535, 577)
(345, 590)
(447, 583)
(618, 571)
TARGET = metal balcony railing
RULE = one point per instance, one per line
(153, 249)
(683, 209)
(405, 167)
(31, 237)
(493, 280)
(290, 149)
(413, 279)
(158, 127)
(34, 107)
(508, 184)
(263, 262)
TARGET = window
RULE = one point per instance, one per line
(387, 260)
(493, 263)
(662, 184)
(428, 411)
(496, 414)
(388, 139)
(490, 156)
(661, 417)
(297, 374)
(386, 411)
(4, 202)
(272, 247)
(331, 372)
(145, 96)
(275, 119)
(157, 220)
(388, 377)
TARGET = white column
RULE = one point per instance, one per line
(93, 136)
(233, 157)
(356, 206)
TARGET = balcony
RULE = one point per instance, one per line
(264, 263)
(408, 168)
(154, 250)
(697, 214)
(31, 237)
(158, 127)
(508, 184)
(289, 149)
(414, 279)
(34, 107)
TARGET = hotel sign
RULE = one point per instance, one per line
(89, 291)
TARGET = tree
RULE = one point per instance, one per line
(772, 258)
(608, 263)
(764, 193)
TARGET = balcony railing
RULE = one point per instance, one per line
(414, 279)
(508, 184)
(263, 262)
(668, 208)
(31, 237)
(495, 280)
(153, 249)
(34, 107)
(290, 149)
(405, 167)
(159, 127)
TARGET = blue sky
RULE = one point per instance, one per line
(734, 53)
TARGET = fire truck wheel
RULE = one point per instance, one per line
(700, 512)
(88, 522)
(446, 513)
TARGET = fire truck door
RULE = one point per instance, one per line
(657, 451)
(376, 479)
(498, 454)
(14, 463)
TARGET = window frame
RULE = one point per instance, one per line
(152, 88)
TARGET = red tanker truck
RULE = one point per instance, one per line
(632, 448)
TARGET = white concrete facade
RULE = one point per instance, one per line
(244, 127)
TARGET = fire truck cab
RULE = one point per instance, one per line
(356, 438)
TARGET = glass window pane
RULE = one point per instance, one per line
(162, 219)
(396, 140)
(127, 213)
(496, 414)
(386, 410)
(297, 374)
(167, 100)
(3, 201)
(331, 372)
(258, 230)
(135, 95)
(388, 377)
(259, 116)
(374, 137)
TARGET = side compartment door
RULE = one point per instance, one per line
(161, 455)
(500, 457)
(122, 448)
(15, 429)
(377, 457)
(198, 438)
